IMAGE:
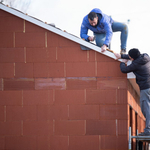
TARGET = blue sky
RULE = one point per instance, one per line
(67, 15)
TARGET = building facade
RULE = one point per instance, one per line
(55, 96)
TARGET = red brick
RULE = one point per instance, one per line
(11, 55)
(69, 127)
(66, 42)
(122, 127)
(134, 144)
(129, 98)
(2, 143)
(122, 96)
(41, 70)
(2, 113)
(111, 97)
(52, 39)
(43, 113)
(81, 83)
(103, 58)
(82, 112)
(41, 54)
(66, 97)
(122, 142)
(4, 13)
(1, 84)
(84, 142)
(56, 70)
(109, 142)
(101, 127)
(52, 112)
(11, 24)
(74, 54)
(110, 69)
(101, 96)
(6, 40)
(84, 69)
(114, 69)
(10, 128)
(21, 142)
(108, 112)
(6, 70)
(30, 39)
(19, 113)
(59, 142)
(10, 98)
(38, 128)
(49, 70)
(30, 27)
(19, 84)
(95, 96)
(111, 83)
(24, 70)
(103, 69)
(50, 83)
(92, 55)
(43, 97)
(43, 143)
(121, 112)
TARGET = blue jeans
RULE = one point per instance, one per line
(116, 26)
(145, 107)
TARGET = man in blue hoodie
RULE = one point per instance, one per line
(103, 27)
(140, 66)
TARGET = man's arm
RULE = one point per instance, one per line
(123, 56)
(83, 32)
(127, 69)
(123, 67)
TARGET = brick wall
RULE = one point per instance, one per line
(55, 96)
(136, 119)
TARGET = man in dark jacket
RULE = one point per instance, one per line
(103, 27)
(140, 66)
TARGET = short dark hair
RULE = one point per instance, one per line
(134, 53)
(92, 15)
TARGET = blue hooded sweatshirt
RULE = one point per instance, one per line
(104, 26)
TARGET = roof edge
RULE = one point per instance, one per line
(54, 29)
(59, 32)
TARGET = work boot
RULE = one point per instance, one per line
(123, 51)
(144, 134)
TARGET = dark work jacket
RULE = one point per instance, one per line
(141, 68)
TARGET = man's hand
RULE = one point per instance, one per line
(91, 38)
(103, 48)
(118, 56)
(125, 60)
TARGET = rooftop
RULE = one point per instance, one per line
(67, 35)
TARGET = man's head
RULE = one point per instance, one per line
(134, 53)
(93, 18)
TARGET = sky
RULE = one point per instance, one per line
(68, 15)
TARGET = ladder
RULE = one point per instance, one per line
(138, 139)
